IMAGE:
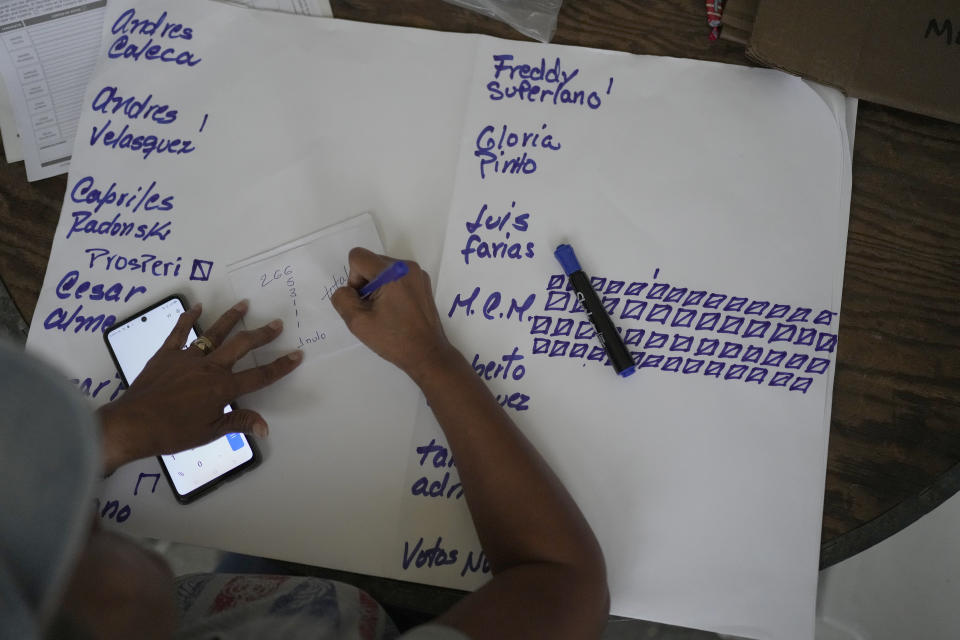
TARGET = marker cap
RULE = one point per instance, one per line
(567, 259)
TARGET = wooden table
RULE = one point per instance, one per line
(895, 434)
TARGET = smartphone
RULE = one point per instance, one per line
(192, 473)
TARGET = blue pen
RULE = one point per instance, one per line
(394, 272)
(607, 332)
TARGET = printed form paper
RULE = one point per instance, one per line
(8, 128)
(299, 7)
(48, 55)
(702, 474)
(49, 50)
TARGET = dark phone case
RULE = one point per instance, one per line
(216, 482)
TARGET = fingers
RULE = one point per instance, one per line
(364, 266)
(430, 301)
(262, 376)
(348, 303)
(427, 285)
(241, 421)
(415, 273)
(241, 343)
(220, 329)
(181, 331)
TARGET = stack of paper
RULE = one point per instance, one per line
(48, 54)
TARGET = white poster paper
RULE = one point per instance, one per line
(264, 147)
(716, 234)
(723, 289)
(9, 132)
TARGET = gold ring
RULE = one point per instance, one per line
(204, 344)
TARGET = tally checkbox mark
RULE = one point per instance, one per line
(201, 269)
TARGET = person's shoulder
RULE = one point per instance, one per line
(434, 632)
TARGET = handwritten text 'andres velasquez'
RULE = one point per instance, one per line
(146, 110)
(144, 40)
(542, 84)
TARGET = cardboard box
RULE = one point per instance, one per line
(738, 17)
(902, 54)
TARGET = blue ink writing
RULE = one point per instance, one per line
(108, 101)
(84, 222)
(482, 249)
(145, 263)
(434, 556)
(156, 478)
(113, 511)
(438, 455)
(423, 487)
(470, 565)
(85, 191)
(782, 324)
(490, 306)
(68, 287)
(539, 83)
(86, 386)
(147, 145)
(489, 222)
(503, 370)
(129, 25)
(123, 48)
(60, 320)
(493, 143)
(516, 401)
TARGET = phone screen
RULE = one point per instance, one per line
(133, 343)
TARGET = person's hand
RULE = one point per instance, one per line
(177, 401)
(399, 321)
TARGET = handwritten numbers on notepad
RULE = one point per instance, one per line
(295, 282)
(277, 274)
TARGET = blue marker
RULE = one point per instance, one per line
(394, 272)
(606, 331)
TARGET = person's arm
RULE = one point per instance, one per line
(177, 401)
(549, 578)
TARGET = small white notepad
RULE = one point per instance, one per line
(294, 282)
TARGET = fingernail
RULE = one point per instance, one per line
(276, 325)
(296, 356)
(242, 305)
(260, 429)
(197, 306)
